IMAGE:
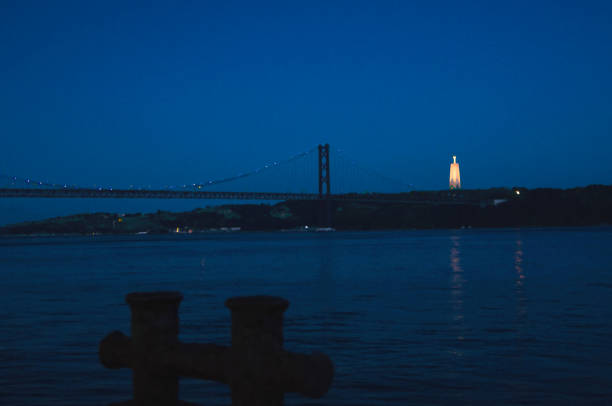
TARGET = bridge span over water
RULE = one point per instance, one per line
(33, 189)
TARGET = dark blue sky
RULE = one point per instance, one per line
(104, 92)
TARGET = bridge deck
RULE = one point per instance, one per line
(153, 194)
(187, 194)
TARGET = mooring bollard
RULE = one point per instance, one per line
(257, 368)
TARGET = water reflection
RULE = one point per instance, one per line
(518, 263)
(325, 285)
(520, 280)
(457, 281)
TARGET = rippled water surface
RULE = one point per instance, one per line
(500, 317)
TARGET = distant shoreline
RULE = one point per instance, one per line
(491, 208)
(195, 235)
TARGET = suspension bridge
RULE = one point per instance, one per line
(16, 187)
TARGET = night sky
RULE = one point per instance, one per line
(180, 92)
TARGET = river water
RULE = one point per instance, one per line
(504, 317)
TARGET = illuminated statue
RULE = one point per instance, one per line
(454, 181)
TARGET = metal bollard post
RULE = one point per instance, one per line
(257, 336)
(155, 327)
(257, 368)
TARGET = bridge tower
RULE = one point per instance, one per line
(324, 170)
(325, 203)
